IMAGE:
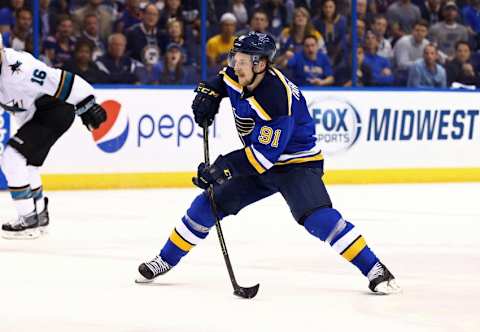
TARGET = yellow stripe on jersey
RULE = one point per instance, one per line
(253, 161)
(259, 109)
(180, 242)
(231, 82)
(287, 87)
(300, 160)
(60, 85)
(354, 249)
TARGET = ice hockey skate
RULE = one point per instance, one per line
(24, 227)
(44, 219)
(382, 281)
(150, 270)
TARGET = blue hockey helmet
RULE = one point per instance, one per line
(258, 45)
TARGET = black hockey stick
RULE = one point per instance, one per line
(245, 292)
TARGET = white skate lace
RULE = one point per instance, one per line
(158, 266)
(376, 271)
(19, 221)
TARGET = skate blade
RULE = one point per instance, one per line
(43, 230)
(28, 234)
(388, 288)
(142, 280)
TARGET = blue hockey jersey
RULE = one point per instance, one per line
(273, 123)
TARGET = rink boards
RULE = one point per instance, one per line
(150, 139)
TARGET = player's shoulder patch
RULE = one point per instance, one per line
(271, 97)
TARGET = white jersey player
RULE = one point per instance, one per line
(43, 101)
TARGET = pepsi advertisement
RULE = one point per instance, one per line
(153, 131)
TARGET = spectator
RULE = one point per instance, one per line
(47, 19)
(119, 67)
(82, 63)
(277, 15)
(219, 46)
(144, 39)
(310, 66)
(430, 10)
(20, 38)
(105, 18)
(239, 9)
(333, 28)
(361, 30)
(173, 9)
(448, 32)
(258, 23)
(379, 28)
(292, 37)
(343, 74)
(409, 49)
(191, 11)
(7, 15)
(471, 18)
(91, 32)
(174, 71)
(405, 14)
(59, 48)
(175, 34)
(460, 69)
(362, 11)
(379, 66)
(426, 72)
(131, 15)
(379, 6)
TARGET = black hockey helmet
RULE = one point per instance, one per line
(258, 45)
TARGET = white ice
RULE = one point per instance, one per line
(80, 277)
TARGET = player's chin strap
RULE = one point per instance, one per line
(256, 61)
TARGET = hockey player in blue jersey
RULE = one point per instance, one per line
(280, 154)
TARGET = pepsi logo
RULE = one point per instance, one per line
(113, 133)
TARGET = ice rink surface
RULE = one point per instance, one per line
(80, 277)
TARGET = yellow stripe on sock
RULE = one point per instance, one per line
(180, 242)
(354, 249)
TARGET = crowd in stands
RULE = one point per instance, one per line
(409, 43)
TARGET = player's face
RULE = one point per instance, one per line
(243, 68)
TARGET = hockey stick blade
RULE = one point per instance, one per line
(246, 292)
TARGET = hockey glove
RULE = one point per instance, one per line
(206, 104)
(215, 174)
(92, 114)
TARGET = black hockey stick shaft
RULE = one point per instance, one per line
(245, 292)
